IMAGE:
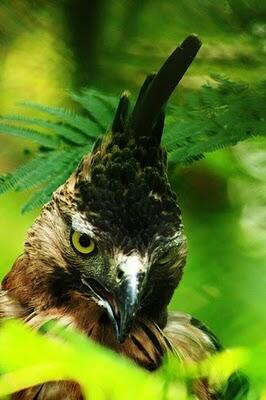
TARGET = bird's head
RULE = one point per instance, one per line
(113, 231)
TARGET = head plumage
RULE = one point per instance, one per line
(122, 186)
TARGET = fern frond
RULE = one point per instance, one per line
(65, 132)
(44, 167)
(209, 119)
(63, 171)
(100, 107)
(85, 125)
(50, 165)
(30, 134)
(12, 180)
(43, 196)
(214, 118)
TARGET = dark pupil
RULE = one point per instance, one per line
(84, 240)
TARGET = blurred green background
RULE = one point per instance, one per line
(48, 48)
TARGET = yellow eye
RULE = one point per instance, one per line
(82, 242)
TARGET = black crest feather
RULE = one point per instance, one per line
(121, 115)
(156, 90)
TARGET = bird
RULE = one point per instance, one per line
(108, 251)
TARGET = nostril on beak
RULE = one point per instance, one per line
(120, 274)
(131, 269)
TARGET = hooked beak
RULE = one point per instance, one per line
(123, 302)
(128, 295)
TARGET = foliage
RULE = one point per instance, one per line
(215, 117)
(32, 359)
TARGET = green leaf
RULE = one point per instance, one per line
(66, 162)
(65, 132)
(58, 352)
(48, 167)
(13, 179)
(214, 118)
(211, 118)
(99, 106)
(85, 125)
(30, 134)
(31, 359)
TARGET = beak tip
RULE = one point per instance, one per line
(121, 338)
(127, 295)
(121, 334)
